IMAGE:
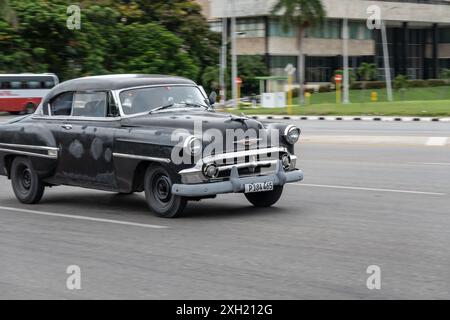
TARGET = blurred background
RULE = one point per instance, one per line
(321, 55)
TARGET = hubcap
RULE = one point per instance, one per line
(26, 178)
(162, 188)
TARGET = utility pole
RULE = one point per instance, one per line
(301, 66)
(346, 98)
(223, 63)
(234, 71)
(387, 68)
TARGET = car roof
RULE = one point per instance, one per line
(115, 82)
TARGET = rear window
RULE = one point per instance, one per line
(62, 104)
(89, 104)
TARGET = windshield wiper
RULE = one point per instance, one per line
(189, 104)
(195, 104)
(161, 107)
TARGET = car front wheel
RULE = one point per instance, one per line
(266, 198)
(158, 192)
(26, 184)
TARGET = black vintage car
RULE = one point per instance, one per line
(135, 133)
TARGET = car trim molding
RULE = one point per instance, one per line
(138, 157)
(76, 118)
(242, 153)
(52, 153)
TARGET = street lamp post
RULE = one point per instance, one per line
(290, 70)
(346, 88)
(234, 71)
(223, 63)
(387, 68)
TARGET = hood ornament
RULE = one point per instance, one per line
(240, 118)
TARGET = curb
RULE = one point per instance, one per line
(351, 118)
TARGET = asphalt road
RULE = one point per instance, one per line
(373, 194)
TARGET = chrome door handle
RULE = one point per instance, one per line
(66, 126)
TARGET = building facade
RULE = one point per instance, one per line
(418, 33)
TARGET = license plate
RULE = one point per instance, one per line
(258, 187)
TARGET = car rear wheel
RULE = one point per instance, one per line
(158, 192)
(266, 198)
(26, 184)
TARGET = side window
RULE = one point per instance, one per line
(62, 104)
(5, 85)
(90, 104)
(16, 85)
(34, 84)
(48, 84)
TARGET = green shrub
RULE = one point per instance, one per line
(325, 88)
(296, 91)
(401, 82)
(445, 74)
(369, 85)
(436, 82)
(357, 85)
(375, 85)
(419, 83)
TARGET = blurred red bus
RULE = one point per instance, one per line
(22, 93)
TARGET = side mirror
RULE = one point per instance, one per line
(212, 98)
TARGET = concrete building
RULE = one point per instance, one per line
(418, 36)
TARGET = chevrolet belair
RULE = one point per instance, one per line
(146, 133)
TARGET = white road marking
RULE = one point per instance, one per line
(437, 141)
(372, 139)
(367, 139)
(432, 163)
(368, 189)
(51, 214)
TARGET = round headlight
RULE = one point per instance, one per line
(193, 146)
(292, 134)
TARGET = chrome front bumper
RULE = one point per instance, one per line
(236, 184)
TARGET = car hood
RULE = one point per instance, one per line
(161, 128)
(188, 118)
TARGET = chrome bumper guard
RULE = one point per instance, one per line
(236, 183)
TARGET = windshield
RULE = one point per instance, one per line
(146, 99)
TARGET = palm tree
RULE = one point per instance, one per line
(7, 13)
(367, 72)
(299, 14)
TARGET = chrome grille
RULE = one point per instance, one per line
(248, 162)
